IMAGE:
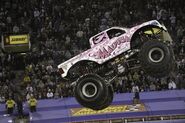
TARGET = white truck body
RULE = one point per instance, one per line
(104, 48)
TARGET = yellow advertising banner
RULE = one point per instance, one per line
(19, 39)
(87, 111)
(110, 109)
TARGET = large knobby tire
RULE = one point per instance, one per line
(107, 101)
(91, 91)
(156, 58)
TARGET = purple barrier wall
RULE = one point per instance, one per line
(124, 98)
(5, 119)
(155, 108)
(156, 103)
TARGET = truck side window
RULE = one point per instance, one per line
(115, 33)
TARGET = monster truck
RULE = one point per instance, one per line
(112, 51)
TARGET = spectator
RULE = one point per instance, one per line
(172, 85)
(136, 98)
(136, 77)
(56, 94)
(164, 84)
(28, 95)
(180, 34)
(26, 79)
(49, 94)
(15, 29)
(152, 87)
(49, 69)
(173, 20)
(135, 88)
(19, 102)
(29, 88)
(179, 80)
(36, 13)
(2, 98)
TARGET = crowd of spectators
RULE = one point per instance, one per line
(60, 29)
(138, 81)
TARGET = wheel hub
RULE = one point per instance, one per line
(89, 89)
(156, 55)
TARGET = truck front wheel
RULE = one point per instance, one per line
(91, 90)
(156, 58)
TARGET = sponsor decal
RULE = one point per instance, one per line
(100, 38)
(106, 51)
